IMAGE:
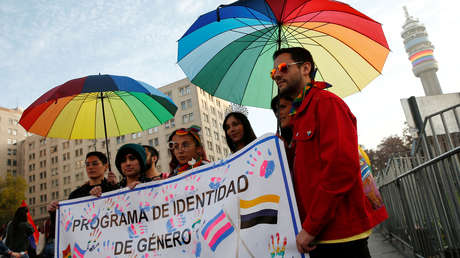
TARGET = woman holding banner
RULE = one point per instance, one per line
(186, 150)
(238, 131)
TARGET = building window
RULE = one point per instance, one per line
(42, 163)
(67, 180)
(31, 178)
(217, 102)
(43, 175)
(155, 141)
(55, 195)
(225, 151)
(186, 104)
(65, 145)
(43, 199)
(206, 117)
(187, 118)
(133, 136)
(120, 139)
(211, 158)
(169, 94)
(65, 168)
(216, 135)
(150, 130)
(53, 149)
(221, 116)
(78, 152)
(213, 110)
(54, 172)
(32, 189)
(42, 186)
(66, 156)
(218, 149)
(67, 192)
(184, 91)
(210, 145)
(208, 131)
(214, 123)
(170, 123)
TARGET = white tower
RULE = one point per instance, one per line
(420, 51)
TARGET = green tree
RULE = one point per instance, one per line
(12, 192)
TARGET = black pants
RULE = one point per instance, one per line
(353, 249)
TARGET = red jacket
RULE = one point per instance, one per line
(327, 177)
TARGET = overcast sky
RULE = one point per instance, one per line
(46, 43)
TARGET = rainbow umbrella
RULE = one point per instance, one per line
(97, 106)
(228, 52)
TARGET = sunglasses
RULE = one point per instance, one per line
(175, 146)
(283, 68)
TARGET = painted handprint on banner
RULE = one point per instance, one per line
(191, 183)
(91, 213)
(117, 204)
(93, 242)
(66, 220)
(137, 230)
(266, 166)
(168, 192)
(175, 222)
(216, 182)
(275, 249)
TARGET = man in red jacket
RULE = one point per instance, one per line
(336, 216)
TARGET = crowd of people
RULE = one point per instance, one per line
(320, 136)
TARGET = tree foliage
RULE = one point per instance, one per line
(12, 192)
(393, 145)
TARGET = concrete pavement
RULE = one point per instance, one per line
(381, 248)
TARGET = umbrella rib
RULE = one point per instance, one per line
(214, 37)
(111, 108)
(249, 34)
(260, 21)
(299, 8)
(250, 26)
(79, 108)
(220, 81)
(305, 22)
(151, 110)
(354, 50)
(348, 27)
(244, 93)
(52, 124)
(332, 55)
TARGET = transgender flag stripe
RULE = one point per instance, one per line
(217, 229)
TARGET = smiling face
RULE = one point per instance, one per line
(95, 169)
(296, 76)
(235, 129)
(130, 166)
(185, 148)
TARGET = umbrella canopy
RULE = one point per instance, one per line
(228, 52)
(97, 106)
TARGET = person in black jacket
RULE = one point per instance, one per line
(96, 165)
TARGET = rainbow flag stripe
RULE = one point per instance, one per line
(422, 56)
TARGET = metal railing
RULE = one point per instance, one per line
(422, 192)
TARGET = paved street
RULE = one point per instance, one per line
(381, 248)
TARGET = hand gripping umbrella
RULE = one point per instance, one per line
(98, 106)
(228, 52)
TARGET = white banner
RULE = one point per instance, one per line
(243, 206)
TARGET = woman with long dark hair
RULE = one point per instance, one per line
(186, 150)
(18, 232)
(238, 131)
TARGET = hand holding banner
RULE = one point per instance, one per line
(246, 199)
